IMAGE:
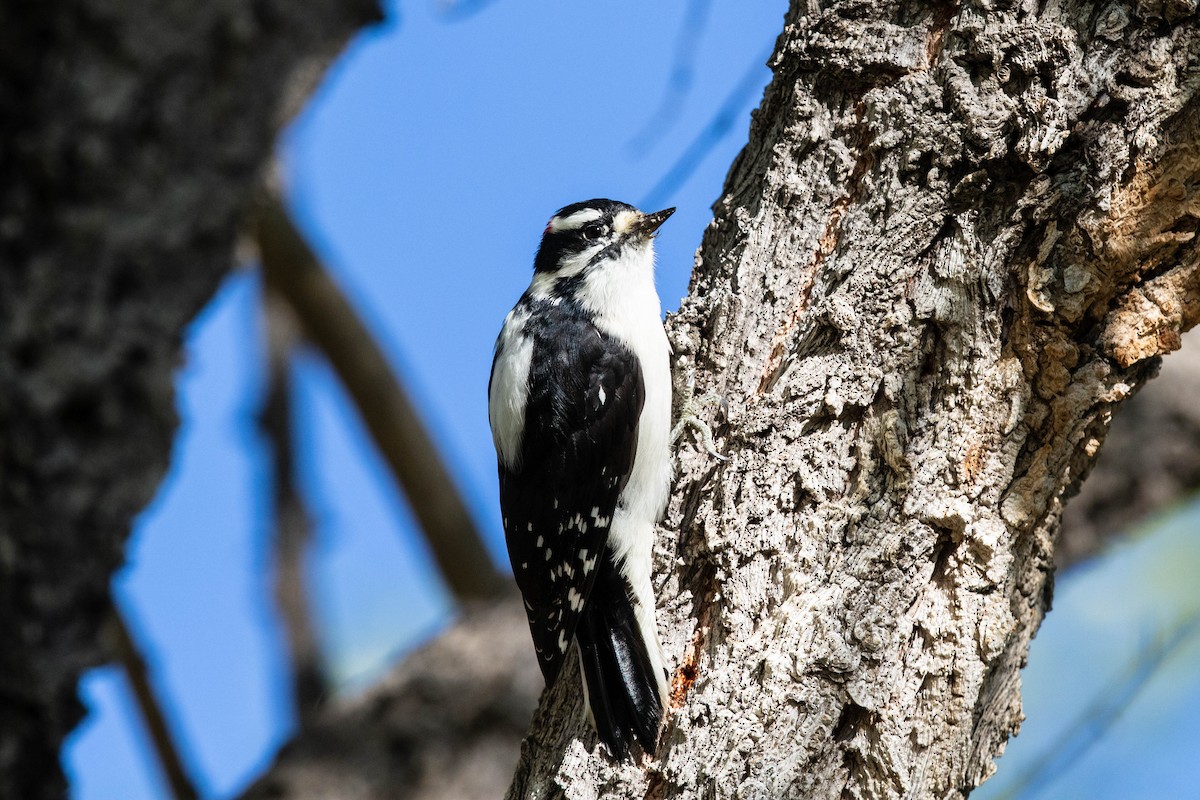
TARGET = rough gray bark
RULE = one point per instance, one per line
(958, 239)
(131, 137)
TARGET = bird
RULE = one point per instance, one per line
(579, 402)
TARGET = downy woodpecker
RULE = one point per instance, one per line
(580, 407)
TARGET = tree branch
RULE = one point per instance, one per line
(291, 269)
(129, 656)
(1150, 459)
(717, 128)
(844, 649)
(1099, 717)
(292, 531)
(683, 68)
(446, 724)
(852, 595)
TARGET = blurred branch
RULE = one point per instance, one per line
(446, 722)
(330, 322)
(1150, 459)
(130, 658)
(292, 522)
(682, 72)
(716, 130)
(1098, 719)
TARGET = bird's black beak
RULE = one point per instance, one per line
(649, 223)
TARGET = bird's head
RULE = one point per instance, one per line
(587, 233)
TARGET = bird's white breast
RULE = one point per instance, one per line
(626, 307)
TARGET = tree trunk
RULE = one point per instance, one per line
(956, 241)
(131, 139)
(466, 697)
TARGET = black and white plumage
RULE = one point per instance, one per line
(580, 407)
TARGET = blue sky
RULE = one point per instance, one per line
(423, 172)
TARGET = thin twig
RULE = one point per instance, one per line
(126, 651)
(683, 71)
(1102, 714)
(716, 129)
(293, 524)
(330, 323)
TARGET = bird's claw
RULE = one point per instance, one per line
(688, 418)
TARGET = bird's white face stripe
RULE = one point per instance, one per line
(574, 221)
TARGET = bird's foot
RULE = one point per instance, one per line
(689, 418)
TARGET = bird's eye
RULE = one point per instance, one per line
(593, 230)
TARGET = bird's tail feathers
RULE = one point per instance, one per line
(623, 691)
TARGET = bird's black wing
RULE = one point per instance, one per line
(577, 448)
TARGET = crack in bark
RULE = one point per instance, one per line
(943, 16)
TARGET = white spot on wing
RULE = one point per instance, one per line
(562, 641)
